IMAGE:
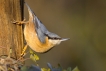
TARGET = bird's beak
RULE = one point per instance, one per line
(64, 39)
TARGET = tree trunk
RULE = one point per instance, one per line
(11, 35)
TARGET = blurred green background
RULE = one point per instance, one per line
(84, 22)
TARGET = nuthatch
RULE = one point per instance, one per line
(37, 36)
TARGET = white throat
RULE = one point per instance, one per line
(54, 42)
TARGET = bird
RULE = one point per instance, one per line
(37, 37)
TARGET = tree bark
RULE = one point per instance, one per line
(11, 35)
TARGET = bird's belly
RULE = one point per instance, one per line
(34, 43)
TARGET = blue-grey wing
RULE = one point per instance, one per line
(42, 31)
(37, 24)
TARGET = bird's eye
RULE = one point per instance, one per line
(56, 38)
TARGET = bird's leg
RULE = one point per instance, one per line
(23, 51)
(20, 22)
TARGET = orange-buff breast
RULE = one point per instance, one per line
(33, 41)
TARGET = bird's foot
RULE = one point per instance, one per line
(23, 51)
(19, 22)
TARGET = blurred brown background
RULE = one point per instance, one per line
(84, 22)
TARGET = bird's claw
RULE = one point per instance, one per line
(19, 22)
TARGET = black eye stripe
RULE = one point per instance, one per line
(54, 38)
